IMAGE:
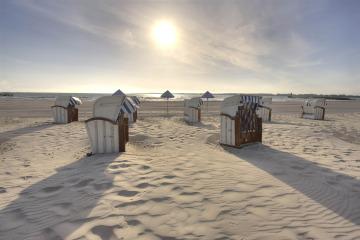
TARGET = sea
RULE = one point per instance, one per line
(143, 96)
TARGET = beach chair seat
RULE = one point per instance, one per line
(192, 110)
(239, 123)
(64, 110)
(313, 109)
(108, 129)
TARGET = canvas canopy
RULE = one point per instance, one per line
(231, 104)
(207, 94)
(66, 101)
(119, 93)
(109, 107)
(129, 105)
(193, 102)
(167, 94)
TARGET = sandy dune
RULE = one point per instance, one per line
(176, 182)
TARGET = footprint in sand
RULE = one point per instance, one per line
(104, 232)
(144, 185)
(51, 189)
(169, 176)
(2, 190)
(102, 186)
(127, 193)
(121, 165)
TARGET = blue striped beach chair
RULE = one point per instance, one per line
(65, 109)
(131, 106)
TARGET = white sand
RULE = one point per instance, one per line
(176, 182)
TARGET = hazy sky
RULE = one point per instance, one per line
(221, 46)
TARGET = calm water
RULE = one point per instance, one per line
(142, 96)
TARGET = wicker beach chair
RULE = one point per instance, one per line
(132, 104)
(65, 110)
(192, 109)
(314, 109)
(108, 129)
(239, 122)
(264, 109)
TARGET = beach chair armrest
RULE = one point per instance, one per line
(101, 118)
(227, 115)
(319, 107)
(59, 106)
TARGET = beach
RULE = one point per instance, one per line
(175, 181)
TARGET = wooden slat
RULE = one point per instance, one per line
(232, 132)
(116, 137)
(108, 138)
(100, 134)
(228, 131)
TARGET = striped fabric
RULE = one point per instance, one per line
(132, 103)
(135, 99)
(74, 101)
(128, 106)
(252, 99)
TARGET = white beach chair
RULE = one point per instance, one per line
(313, 109)
(239, 123)
(192, 109)
(264, 110)
(108, 129)
(64, 110)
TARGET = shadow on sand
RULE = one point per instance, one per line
(336, 191)
(5, 136)
(67, 196)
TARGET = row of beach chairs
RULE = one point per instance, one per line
(241, 118)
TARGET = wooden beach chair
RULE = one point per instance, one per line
(108, 129)
(192, 110)
(264, 109)
(136, 101)
(313, 109)
(64, 110)
(239, 122)
(132, 104)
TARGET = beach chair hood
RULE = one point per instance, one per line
(66, 101)
(193, 102)
(109, 107)
(231, 104)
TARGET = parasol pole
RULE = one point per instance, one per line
(207, 105)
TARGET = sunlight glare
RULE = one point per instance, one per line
(164, 34)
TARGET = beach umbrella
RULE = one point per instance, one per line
(118, 93)
(207, 95)
(167, 94)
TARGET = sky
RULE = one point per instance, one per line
(267, 46)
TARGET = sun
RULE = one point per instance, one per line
(164, 34)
